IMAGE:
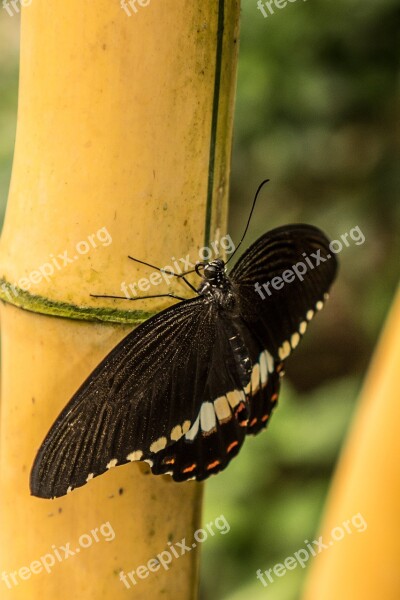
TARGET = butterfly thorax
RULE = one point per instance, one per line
(216, 285)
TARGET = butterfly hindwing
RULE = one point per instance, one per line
(220, 425)
(199, 454)
(202, 451)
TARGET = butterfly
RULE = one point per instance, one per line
(184, 389)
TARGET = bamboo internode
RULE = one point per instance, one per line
(123, 146)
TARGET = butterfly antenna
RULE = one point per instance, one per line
(249, 219)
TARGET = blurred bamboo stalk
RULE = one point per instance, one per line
(365, 563)
(123, 138)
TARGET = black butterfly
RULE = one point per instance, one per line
(183, 389)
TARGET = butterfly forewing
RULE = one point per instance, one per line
(277, 310)
(135, 400)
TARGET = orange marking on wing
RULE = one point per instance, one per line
(189, 469)
(232, 445)
(274, 397)
(264, 418)
(213, 464)
(169, 461)
(253, 422)
(242, 421)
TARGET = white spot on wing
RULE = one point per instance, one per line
(69, 489)
(186, 426)
(90, 476)
(136, 455)
(295, 340)
(158, 444)
(303, 327)
(263, 368)
(208, 419)
(309, 315)
(270, 362)
(222, 408)
(234, 398)
(112, 463)
(191, 434)
(176, 433)
(284, 350)
(255, 378)
(319, 305)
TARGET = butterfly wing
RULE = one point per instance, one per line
(281, 281)
(151, 390)
(130, 402)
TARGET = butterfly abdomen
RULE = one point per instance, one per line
(240, 352)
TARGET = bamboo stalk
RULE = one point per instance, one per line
(364, 564)
(124, 134)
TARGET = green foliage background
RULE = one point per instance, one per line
(316, 112)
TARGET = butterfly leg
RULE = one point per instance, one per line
(178, 275)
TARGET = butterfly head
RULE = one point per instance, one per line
(213, 272)
(214, 268)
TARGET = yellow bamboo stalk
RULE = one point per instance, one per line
(123, 146)
(364, 564)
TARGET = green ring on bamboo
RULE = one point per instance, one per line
(39, 304)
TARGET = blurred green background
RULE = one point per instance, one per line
(317, 113)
